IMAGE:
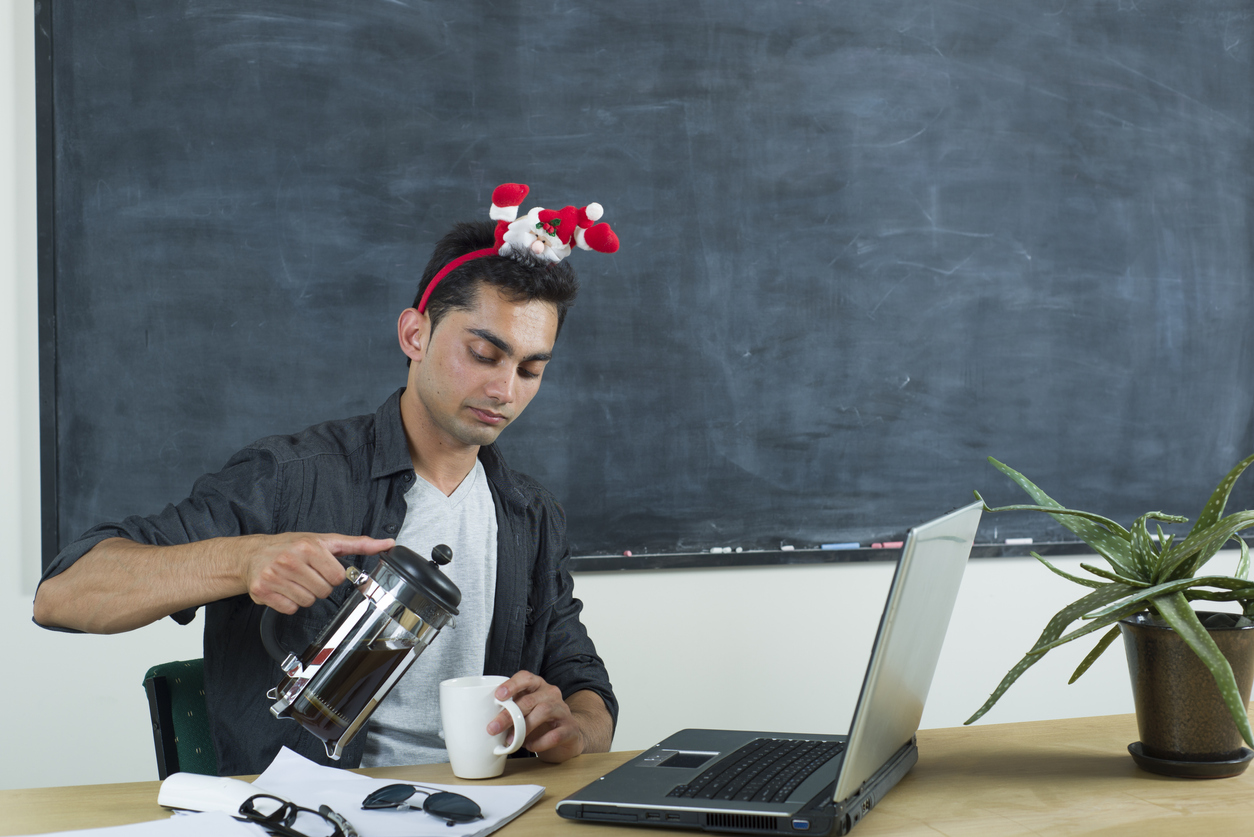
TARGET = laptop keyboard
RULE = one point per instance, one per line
(764, 770)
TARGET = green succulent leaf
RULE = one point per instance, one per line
(1143, 553)
(1098, 649)
(1174, 608)
(1238, 594)
(1099, 597)
(1052, 510)
(1187, 557)
(1108, 575)
(1214, 508)
(1243, 564)
(1122, 560)
(1096, 625)
(1179, 585)
(1087, 582)
(1107, 538)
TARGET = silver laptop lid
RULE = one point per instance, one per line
(911, 633)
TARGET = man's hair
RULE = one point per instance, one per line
(519, 280)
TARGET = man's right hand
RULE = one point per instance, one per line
(120, 585)
(293, 570)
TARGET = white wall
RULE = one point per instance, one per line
(733, 648)
(785, 648)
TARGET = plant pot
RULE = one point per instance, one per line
(1185, 726)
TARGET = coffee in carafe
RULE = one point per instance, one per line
(393, 614)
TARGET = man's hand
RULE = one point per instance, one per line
(557, 729)
(291, 571)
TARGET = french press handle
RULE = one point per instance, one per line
(270, 623)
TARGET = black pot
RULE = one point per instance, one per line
(1185, 726)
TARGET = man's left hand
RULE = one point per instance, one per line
(557, 729)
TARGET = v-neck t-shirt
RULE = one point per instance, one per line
(405, 728)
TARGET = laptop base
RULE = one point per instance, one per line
(817, 817)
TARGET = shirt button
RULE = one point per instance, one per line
(390, 528)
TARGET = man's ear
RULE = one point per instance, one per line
(413, 330)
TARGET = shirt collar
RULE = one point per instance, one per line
(392, 453)
(390, 445)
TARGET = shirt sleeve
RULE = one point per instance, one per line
(240, 499)
(570, 660)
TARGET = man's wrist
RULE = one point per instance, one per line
(581, 721)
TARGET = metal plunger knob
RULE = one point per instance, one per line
(441, 555)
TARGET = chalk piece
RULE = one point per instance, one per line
(740, 549)
(627, 553)
(850, 545)
(787, 547)
(1018, 541)
(888, 545)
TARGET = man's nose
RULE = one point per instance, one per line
(501, 386)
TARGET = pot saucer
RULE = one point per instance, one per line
(1191, 769)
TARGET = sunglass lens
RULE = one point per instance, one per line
(452, 807)
(388, 796)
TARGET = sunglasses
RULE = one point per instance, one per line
(453, 808)
(282, 819)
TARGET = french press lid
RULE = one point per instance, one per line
(425, 576)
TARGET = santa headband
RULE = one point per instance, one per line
(544, 234)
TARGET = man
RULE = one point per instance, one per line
(271, 528)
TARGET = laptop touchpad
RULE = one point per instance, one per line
(681, 758)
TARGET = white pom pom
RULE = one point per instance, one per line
(503, 213)
(594, 211)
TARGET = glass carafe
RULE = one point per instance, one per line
(394, 613)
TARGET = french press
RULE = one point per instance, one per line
(394, 613)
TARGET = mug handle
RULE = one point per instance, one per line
(520, 728)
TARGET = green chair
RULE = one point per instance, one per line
(180, 723)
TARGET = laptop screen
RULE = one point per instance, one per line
(908, 644)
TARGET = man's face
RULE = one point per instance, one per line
(482, 366)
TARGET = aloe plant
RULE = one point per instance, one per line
(1146, 574)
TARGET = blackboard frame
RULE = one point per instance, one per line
(46, 299)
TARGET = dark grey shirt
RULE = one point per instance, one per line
(350, 477)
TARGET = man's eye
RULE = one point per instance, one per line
(523, 372)
(480, 357)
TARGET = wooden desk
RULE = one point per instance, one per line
(1071, 777)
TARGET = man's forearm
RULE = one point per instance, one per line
(120, 585)
(594, 720)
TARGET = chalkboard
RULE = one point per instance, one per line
(865, 245)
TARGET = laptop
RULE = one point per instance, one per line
(772, 783)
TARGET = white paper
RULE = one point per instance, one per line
(190, 825)
(309, 785)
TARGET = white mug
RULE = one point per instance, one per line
(467, 706)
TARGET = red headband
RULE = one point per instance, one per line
(449, 268)
(542, 234)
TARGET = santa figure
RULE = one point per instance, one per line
(547, 234)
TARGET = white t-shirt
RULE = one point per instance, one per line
(405, 728)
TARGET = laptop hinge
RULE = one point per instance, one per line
(847, 813)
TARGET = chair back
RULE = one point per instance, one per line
(180, 722)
